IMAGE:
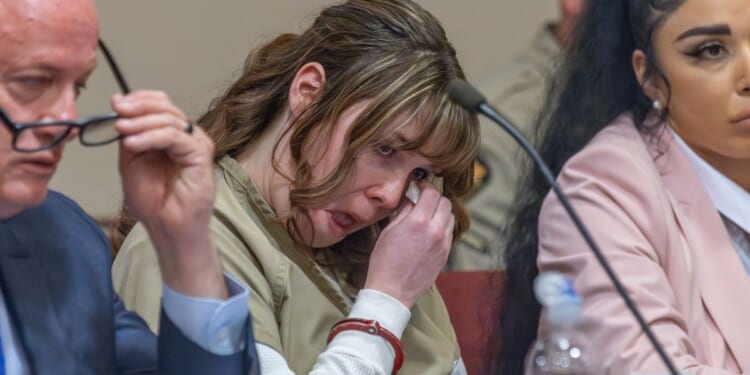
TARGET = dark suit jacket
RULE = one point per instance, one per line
(55, 274)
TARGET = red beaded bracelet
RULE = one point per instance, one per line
(374, 328)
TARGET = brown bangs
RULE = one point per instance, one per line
(448, 135)
(450, 140)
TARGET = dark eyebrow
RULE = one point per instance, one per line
(718, 29)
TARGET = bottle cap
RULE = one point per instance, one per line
(555, 292)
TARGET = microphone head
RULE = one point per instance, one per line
(465, 95)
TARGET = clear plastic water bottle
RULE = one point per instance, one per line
(561, 348)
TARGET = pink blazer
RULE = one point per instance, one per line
(651, 216)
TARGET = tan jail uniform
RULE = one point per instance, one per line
(294, 302)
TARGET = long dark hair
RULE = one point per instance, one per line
(595, 84)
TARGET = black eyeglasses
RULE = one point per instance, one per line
(94, 130)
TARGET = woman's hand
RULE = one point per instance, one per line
(167, 183)
(412, 250)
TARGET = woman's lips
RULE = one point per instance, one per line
(343, 220)
(741, 119)
(341, 224)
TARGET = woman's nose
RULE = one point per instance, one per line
(388, 193)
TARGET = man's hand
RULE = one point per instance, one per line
(167, 182)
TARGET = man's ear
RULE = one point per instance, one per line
(652, 86)
(306, 85)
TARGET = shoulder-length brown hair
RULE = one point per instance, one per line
(391, 52)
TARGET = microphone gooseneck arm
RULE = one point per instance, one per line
(468, 97)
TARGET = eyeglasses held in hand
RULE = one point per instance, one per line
(94, 130)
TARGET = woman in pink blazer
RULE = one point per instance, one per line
(648, 131)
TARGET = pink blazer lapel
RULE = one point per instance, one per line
(724, 284)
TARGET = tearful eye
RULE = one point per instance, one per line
(420, 174)
(385, 150)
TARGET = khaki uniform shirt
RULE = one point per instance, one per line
(516, 90)
(293, 301)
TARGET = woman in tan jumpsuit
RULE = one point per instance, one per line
(316, 144)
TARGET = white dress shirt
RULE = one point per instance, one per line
(214, 325)
(730, 199)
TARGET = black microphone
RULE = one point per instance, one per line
(471, 99)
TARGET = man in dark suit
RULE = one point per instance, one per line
(58, 311)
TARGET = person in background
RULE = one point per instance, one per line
(516, 89)
(58, 311)
(317, 142)
(648, 135)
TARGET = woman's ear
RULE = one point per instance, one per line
(306, 85)
(650, 84)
